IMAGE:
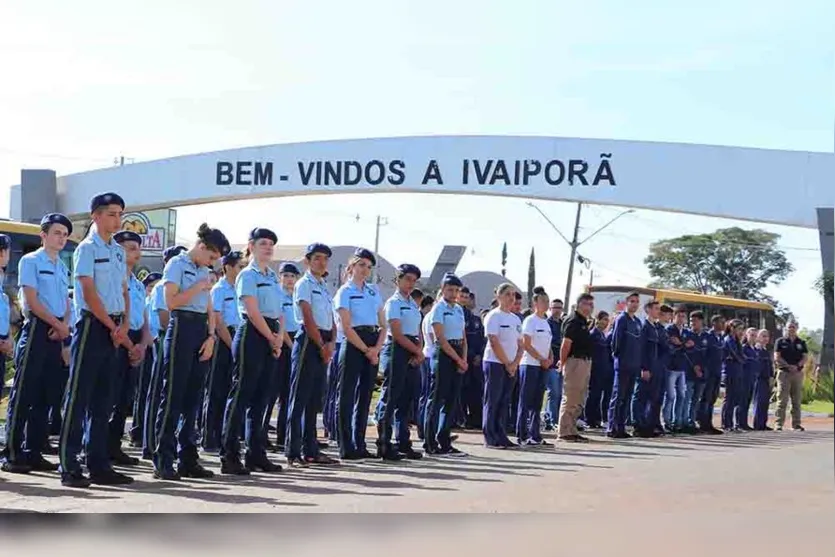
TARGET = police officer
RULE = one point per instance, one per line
(401, 355)
(101, 296)
(227, 320)
(187, 348)
(790, 354)
(360, 311)
(626, 349)
(449, 363)
(128, 360)
(157, 307)
(280, 388)
(713, 373)
(472, 389)
(642, 395)
(602, 373)
(312, 350)
(137, 429)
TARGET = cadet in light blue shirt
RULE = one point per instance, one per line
(104, 262)
(225, 300)
(399, 360)
(146, 369)
(183, 271)
(314, 291)
(261, 285)
(150, 283)
(49, 277)
(6, 346)
(451, 316)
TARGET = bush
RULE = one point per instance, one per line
(818, 386)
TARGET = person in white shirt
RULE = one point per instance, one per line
(426, 306)
(502, 355)
(537, 358)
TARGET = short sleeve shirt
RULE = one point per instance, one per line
(224, 301)
(104, 262)
(538, 329)
(315, 292)
(406, 311)
(508, 328)
(50, 279)
(792, 351)
(362, 301)
(576, 329)
(451, 316)
(183, 272)
(263, 286)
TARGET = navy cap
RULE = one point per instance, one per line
(288, 267)
(172, 252)
(363, 253)
(231, 258)
(465, 290)
(317, 248)
(127, 236)
(151, 277)
(5, 241)
(451, 280)
(105, 199)
(259, 233)
(407, 268)
(56, 218)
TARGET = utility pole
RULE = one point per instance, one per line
(381, 221)
(574, 244)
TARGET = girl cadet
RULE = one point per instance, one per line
(537, 359)
(449, 363)
(227, 319)
(732, 363)
(6, 345)
(186, 351)
(101, 297)
(502, 355)
(255, 352)
(361, 314)
(157, 307)
(750, 371)
(44, 282)
(762, 385)
(426, 306)
(401, 353)
(288, 273)
(602, 373)
(137, 430)
(312, 350)
(128, 360)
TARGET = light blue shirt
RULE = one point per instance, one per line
(137, 303)
(50, 279)
(105, 264)
(407, 311)
(263, 287)
(314, 292)
(290, 323)
(5, 309)
(451, 317)
(340, 334)
(224, 300)
(363, 303)
(153, 316)
(158, 297)
(183, 272)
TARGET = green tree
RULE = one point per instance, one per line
(729, 262)
(813, 338)
(825, 284)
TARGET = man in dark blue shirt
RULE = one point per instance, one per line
(472, 391)
(553, 377)
(626, 349)
(695, 372)
(712, 369)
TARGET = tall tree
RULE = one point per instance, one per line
(531, 278)
(730, 262)
(504, 259)
(825, 284)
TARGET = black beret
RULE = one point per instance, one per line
(231, 258)
(151, 277)
(363, 253)
(105, 199)
(288, 267)
(317, 247)
(451, 280)
(56, 218)
(258, 233)
(408, 268)
(127, 236)
(465, 290)
(168, 253)
(5, 241)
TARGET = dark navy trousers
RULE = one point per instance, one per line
(746, 395)
(600, 392)
(440, 408)
(124, 387)
(472, 395)
(183, 378)
(762, 397)
(143, 382)
(279, 391)
(307, 376)
(57, 386)
(37, 364)
(332, 380)
(218, 385)
(622, 387)
(149, 438)
(396, 395)
(733, 397)
(531, 393)
(87, 404)
(423, 397)
(353, 398)
(253, 371)
(712, 384)
(641, 410)
(497, 386)
(658, 387)
(404, 416)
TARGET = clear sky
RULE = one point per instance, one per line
(89, 80)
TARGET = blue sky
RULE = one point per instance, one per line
(86, 82)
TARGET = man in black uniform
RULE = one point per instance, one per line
(790, 353)
(553, 377)
(472, 392)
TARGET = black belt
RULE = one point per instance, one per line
(269, 320)
(456, 342)
(116, 317)
(413, 338)
(366, 329)
(188, 314)
(4, 337)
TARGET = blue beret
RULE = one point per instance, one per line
(363, 253)
(171, 252)
(5, 241)
(408, 268)
(288, 267)
(105, 199)
(151, 277)
(127, 236)
(231, 258)
(56, 218)
(317, 248)
(259, 233)
(451, 280)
